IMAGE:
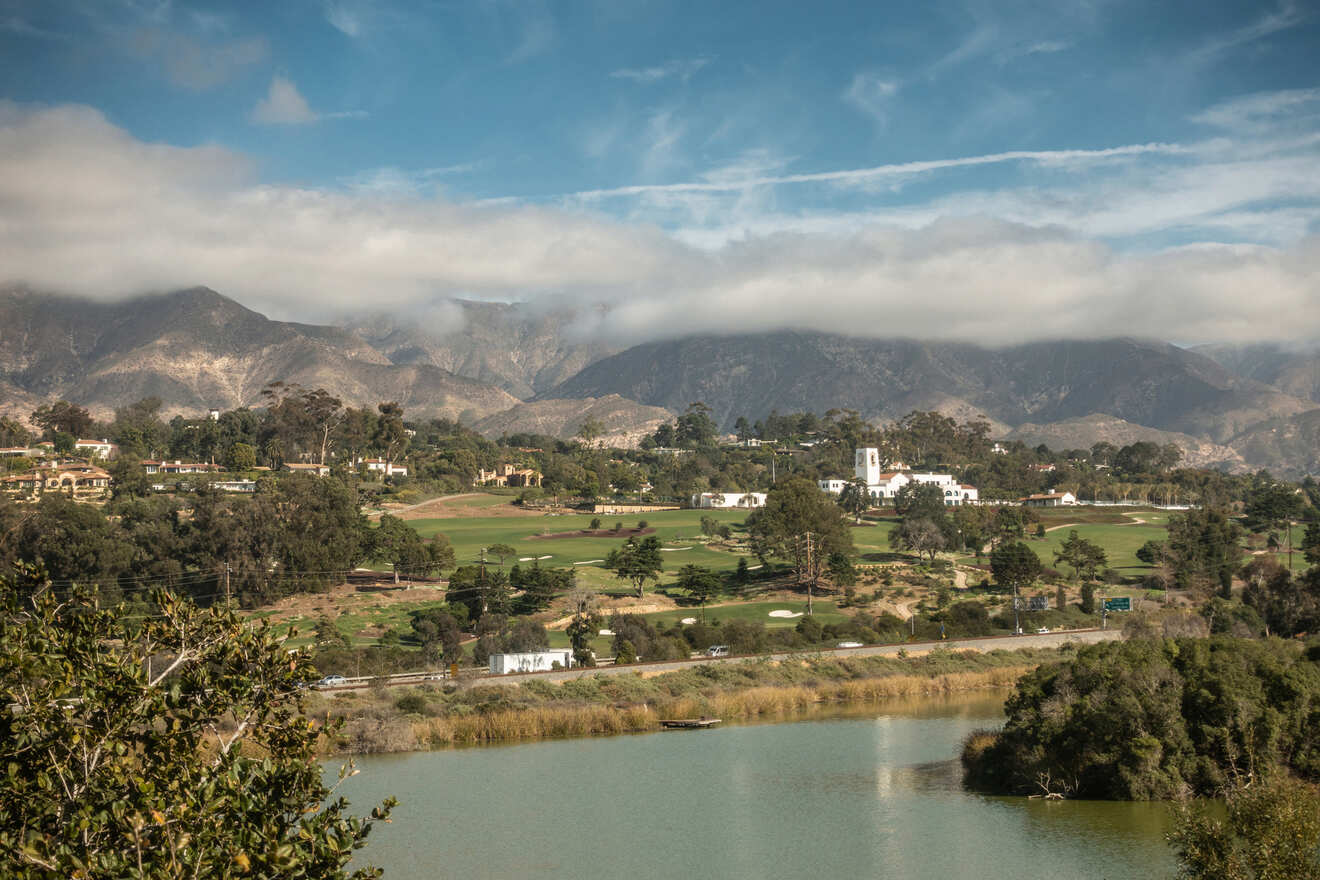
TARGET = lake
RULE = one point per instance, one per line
(872, 796)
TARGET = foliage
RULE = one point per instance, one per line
(1083, 556)
(1271, 832)
(1014, 565)
(855, 499)
(700, 583)
(1203, 548)
(167, 747)
(794, 509)
(636, 561)
(921, 536)
(1147, 718)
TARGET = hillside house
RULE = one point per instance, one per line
(1042, 468)
(102, 449)
(17, 451)
(530, 661)
(383, 467)
(728, 500)
(509, 475)
(1049, 499)
(81, 482)
(316, 470)
(180, 467)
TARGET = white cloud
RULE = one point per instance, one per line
(682, 69)
(1047, 47)
(1286, 16)
(344, 18)
(283, 105)
(872, 94)
(92, 210)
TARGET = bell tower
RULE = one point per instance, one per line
(866, 465)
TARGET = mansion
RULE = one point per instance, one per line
(884, 482)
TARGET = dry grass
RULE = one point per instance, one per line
(367, 734)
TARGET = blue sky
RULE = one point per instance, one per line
(974, 170)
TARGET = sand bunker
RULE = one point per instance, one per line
(784, 612)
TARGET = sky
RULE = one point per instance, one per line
(992, 172)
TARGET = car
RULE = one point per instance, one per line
(850, 645)
(1042, 631)
(717, 651)
(332, 681)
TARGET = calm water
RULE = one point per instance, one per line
(846, 797)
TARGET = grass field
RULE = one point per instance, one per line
(1120, 542)
(679, 532)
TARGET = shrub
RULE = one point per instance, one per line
(411, 704)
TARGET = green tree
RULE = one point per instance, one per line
(62, 417)
(1203, 548)
(1271, 832)
(581, 630)
(802, 525)
(1081, 555)
(1015, 565)
(918, 535)
(855, 499)
(1088, 598)
(700, 583)
(636, 561)
(240, 457)
(1311, 543)
(167, 747)
(695, 429)
(502, 552)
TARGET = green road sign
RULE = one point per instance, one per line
(1122, 603)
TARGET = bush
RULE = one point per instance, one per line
(810, 629)
(411, 704)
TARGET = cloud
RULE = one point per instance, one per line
(1286, 16)
(682, 69)
(345, 18)
(1262, 110)
(872, 94)
(92, 210)
(283, 105)
(197, 66)
(1046, 47)
(16, 25)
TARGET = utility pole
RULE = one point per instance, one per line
(811, 579)
(1017, 625)
(228, 599)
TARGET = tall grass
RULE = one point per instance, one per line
(579, 709)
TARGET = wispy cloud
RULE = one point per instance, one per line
(1262, 109)
(682, 69)
(343, 17)
(285, 105)
(1047, 47)
(16, 25)
(863, 176)
(1286, 16)
(390, 180)
(872, 94)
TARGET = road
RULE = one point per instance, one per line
(989, 643)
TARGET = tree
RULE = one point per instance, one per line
(1271, 506)
(590, 431)
(390, 437)
(920, 536)
(1088, 598)
(802, 525)
(1081, 555)
(855, 499)
(165, 747)
(700, 583)
(842, 572)
(438, 632)
(62, 417)
(581, 630)
(695, 429)
(1015, 565)
(1311, 543)
(1203, 550)
(240, 457)
(396, 542)
(502, 552)
(636, 561)
(1271, 832)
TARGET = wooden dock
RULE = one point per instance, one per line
(688, 723)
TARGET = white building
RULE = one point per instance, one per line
(884, 484)
(1050, 499)
(97, 448)
(530, 661)
(728, 500)
(380, 466)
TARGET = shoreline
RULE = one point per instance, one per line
(764, 691)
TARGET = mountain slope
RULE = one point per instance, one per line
(1146, 383)
(624, 422)
(517, 347)
(1294, 371)
(196, 349)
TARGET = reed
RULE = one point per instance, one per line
(576, 717)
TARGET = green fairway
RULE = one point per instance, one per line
(679, 532)
(1120, 543)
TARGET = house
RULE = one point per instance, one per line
(1041, 468)
(15, 451)
(179, 467)
(728, 500)
(102, 449)
(1049, 499)
(81, 482)
(316, 470)
(832, 486)
(247, 486)
(381, 466)
(999, 449)
(530, 661)
(509, 475)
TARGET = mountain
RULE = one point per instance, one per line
(196, 349)
(624, 422)
(1284, 446)
(1293, 370)
(521, 348)
(1147, 383)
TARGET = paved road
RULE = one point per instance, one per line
(990, 643)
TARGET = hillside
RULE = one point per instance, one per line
(1294, 371)
(196, 349)
(625, 422)
(1084, 432)
(1146, 383)
(1286, 446)
(520, 348)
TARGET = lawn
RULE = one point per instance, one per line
(1120, 543)
(679, 532)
